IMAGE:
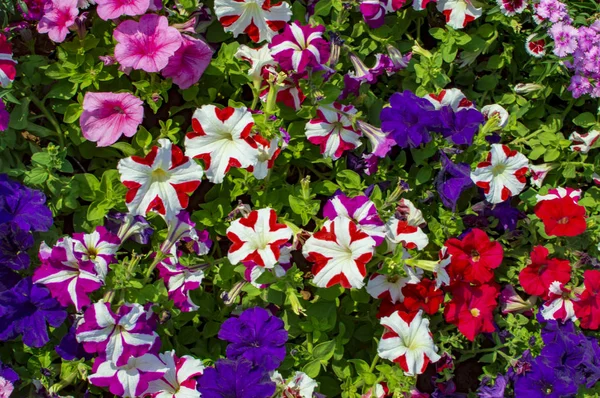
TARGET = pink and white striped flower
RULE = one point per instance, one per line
(539, 173)
(100, 247)
(180, 379)
(512, 7)
(559, 305)
(200, 244)
(340, 252)
(130, 379)
(160, 181)
(405, 227)
(68, 278)
(118, 337)
(221, 138)
(259, 19)
(8, 69)
(458, 13)
(408, 342)
(535, 48)
(502, 175)
(560, 192)
(180, 281)
(300, 47)
(360, 210)
(257, 238)
(332, 130)
(451, 97)
(268, 151)
(583, 142)
(389, 287)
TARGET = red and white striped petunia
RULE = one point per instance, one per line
(340, 252)
(389, 287)
(559, 305)
(8, 65)
(451, 97)
(268, 151)
(535, 48)
(259, 19)
(405, 227)
(583, 142)
(332, 130)
(221, 138)
(408, 342)
(502, 175)
(257, 238)
(160, 181)
(458, 13)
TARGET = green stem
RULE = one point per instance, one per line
(256, 92)
(522, 139)
(374, 363)
(567, 110)
(492, 349)
(50, 116)
(159, 257)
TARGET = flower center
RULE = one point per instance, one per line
(393, 278)
(498, 169)
(475, 256)
(118, 109)
(92, 253)
(160, 175)
(564, 220)
(475, 312)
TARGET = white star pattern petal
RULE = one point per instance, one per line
(380, 284)
(253, 17)
(180, 370)
(258, 58)
(332, 130)
(451, 97)
(458, 13)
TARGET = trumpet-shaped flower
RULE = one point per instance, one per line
(160, 181)
(584, 142)
(332, 130)
(300, 47)
(559, 305)
(474, 257)
(113, 9)
(389, 287)
(258, 58)
(502, 175)
(458, 13)
(58, 17)
(537, 276)
(340, 252)
(8, 65)
(189, 62)
(259, 19)
(180, 379)
(408, 342)
(561, 217)
(587, 305)
(471, 308)
(180, 281)
(221, 138)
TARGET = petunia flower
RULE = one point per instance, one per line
(289, 92)
(460, 127)
(299, 385)
(381, 143)
(544, 380)
(117, 336)
(221, 138)
(423, 296)
(539, 173)
(23, 206)
(70, 349)
(69, 279)
(537, 276)
(180, 281)
(235, 379)
(256, 336)
(107, 116)
(147, 44)
(405, 227)
(458, 13)
(100, 247)
(474, 257)
(512, 7)
(113, 9)
(559, 305)
(502, 175)
(4, 115)
(254, 271)
(259, 19)
(495, 111)
(14, 244)
(179, 227)
(408, 342)
(560, 192)
(332, 130)
(268, 151)
(8, 70)
(512, 302)
(587, 305)
(389, 287)
(300, 47)
(584, 142)
(374, 11)
(25, 309)
(451, 97)
(452, 180)
(561, 217)
(160, 181)
(58, 17)
(471, 308)
(189, 62)
(180, 379)
(131, 379)
(259, 58)
(126, 226)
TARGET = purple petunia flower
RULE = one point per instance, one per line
(23, 206)
(545, 381)
(180, 281)
(126, 226)
(381, 143)
(25, 309)
(14, 243)
(460, 127)
(235, 379)
(256, 336)
(409, 119)
(8, 373)
(452, 180)
(100, 248)
(496, 391)
(8, 279)
(4, 116)
(70, 349)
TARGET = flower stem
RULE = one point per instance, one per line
(159, 257)
(50, 116)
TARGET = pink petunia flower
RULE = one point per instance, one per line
(189, 62)
(180, 281)
(112, 9)
(180, 379)
(300, 47)
(106, 116)
(59, 16)
(147, 44)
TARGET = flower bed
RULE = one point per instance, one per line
(310, 198)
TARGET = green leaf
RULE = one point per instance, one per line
(585, 119)
(19, 115)
(323, 8)
(424, 175)
(312, 369)
(324, 351)
(72, 113)
(348, 179)
(63, 90)
(551, 155)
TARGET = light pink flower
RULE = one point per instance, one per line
(147, 44)
(189, 62)
(108, 115)
(59, 15)
(111, 9)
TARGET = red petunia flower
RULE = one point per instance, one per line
(561, 217)
(537, 276)
(387, 308)
(587, 308)
(423, 296)
(471, 308)
(475, 257)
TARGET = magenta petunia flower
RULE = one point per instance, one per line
(147, 44)
(112, 9)
(300, 47)
(59, 15)
(4, 116)
(108, 115)
(189, 62)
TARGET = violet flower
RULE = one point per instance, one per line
(70, 349)
(239, 379)
(23, 206)
(452, 180)
(460, 127)
(14, 243)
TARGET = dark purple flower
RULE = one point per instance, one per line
(14, 243)
(256, 336)
(409, 119)
(493, 391)
(25, 309)
(70, 349)
(460, 127)
(235, 379)
(8, 279)
(452, 180)
(507, 215)
(351, 86)
(126, 226)
(33, 10)
(8, 373)
(23, 206)
(545, 381)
